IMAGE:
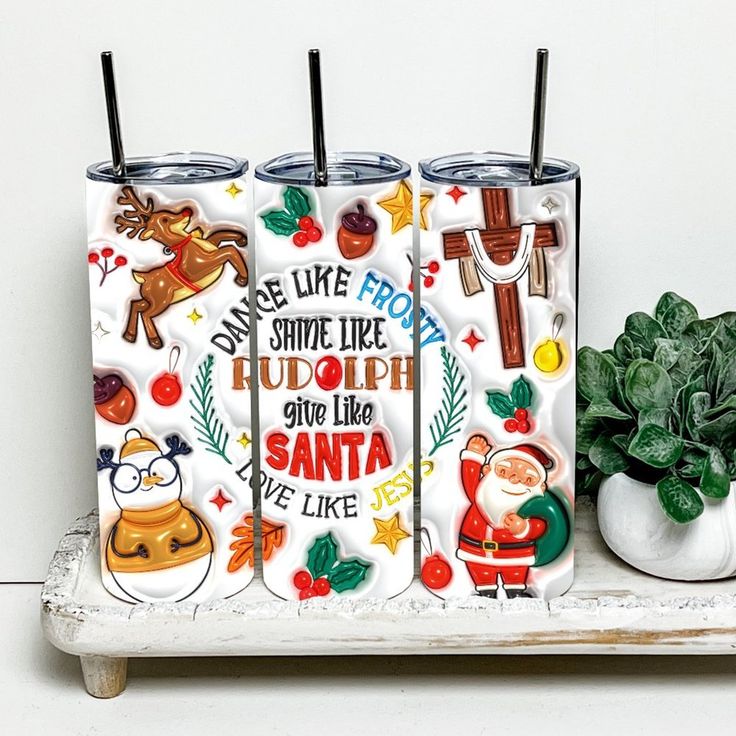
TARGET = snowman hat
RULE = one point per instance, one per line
(136, 442)
(531, 453)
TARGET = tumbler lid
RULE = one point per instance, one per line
(171, 168)
(489, 169)
(343, 168)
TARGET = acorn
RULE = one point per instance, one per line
(356, 234)
(114, 401)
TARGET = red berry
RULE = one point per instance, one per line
(521, 414)
(433, 266)
(524, 427)
(322, 586)
(300, 239)
(307, 593)
(305, 223)
(93, 257)
(302, 580)
(120, 260)
(411, 286)
(314, 234)
(107, 252)
(428, 282)
(511, 425)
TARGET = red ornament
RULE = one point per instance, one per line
(328, 373)
(302, 580)
(166, 389)
(436, 572)
(322, 586)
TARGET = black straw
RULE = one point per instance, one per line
(536, 158)
(113, 117)
(318, 122)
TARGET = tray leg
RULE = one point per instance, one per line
(104, 677)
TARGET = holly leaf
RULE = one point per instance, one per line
(280, 222)
(521, 393)
(322, 556)
(679, 500)
(656, 446)
(500, 404)
(715, 480)
(607, 456)
(348, 574)
(648, 386)
(296, 202)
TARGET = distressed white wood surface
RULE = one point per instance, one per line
(610, 609)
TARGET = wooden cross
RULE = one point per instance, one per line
(500, 240)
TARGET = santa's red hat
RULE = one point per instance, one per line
(531, 453)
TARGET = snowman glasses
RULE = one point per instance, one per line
(127, 478)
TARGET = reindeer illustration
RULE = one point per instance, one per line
(198, 261)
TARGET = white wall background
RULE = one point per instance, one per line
(641, 96)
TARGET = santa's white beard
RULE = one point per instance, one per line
(494, 503)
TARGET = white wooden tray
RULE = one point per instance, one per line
(611, 609)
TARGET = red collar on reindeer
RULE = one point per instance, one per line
(173, 265)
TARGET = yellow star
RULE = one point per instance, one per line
(244, 440)
(233, 190)
(195, 316)
(399, 206)
(389, 532)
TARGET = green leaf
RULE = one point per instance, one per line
(280, 222)
(721, 430)
(730, 403)
(347, 575)
(596, 375)
(583, 463)
(625, 350)
(715, 481)
(726, 377)
(604, 408)
(607, 456)
(667, 300)
(622, 441)
(521, 393)
(679, 315)
(682, 400)
(648, 386)
(322, 556)
(698, 404)
(500, 404)
(656, 446)
(448, 419)
(643, 330)
(679, 500)
(296, 202)
(587, 430)
(688, 366)
(667, 352)
(699, 332)
(660, 417)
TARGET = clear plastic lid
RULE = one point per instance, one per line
(171, 168)
(490, 169)
(343, 168)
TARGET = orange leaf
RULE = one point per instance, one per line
(272, 537)
(243, 549)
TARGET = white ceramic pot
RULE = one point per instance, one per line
(638, 531)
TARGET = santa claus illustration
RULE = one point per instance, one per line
(513, 522)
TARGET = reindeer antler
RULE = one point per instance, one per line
(176, 446)
(136, 218)
(105, 459)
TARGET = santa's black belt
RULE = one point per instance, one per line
(490, 546)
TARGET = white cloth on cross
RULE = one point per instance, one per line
(508, 272)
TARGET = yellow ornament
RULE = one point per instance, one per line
(550, 354)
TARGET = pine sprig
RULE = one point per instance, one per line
(207, 424)
(448, 418)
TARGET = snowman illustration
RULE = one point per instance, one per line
(158, 550)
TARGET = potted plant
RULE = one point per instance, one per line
(656, 441)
